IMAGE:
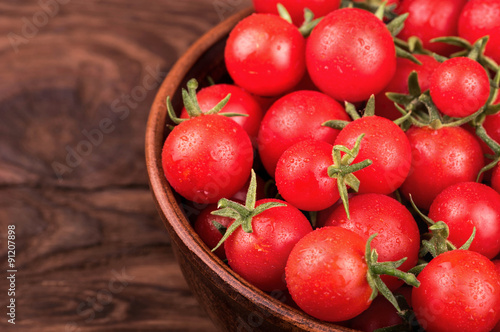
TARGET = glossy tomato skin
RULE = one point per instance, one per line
(296, 7)
(429, 19)
(295, 117)
(240, 102)
(399, 83)
(264, 54)
(466, 205)
(459, 291)
(398, 235)
(459, 87)
(302, 176)
(260, 257)
(479, 18)
(326, 274)
(207, 158)
(386, 145)
(440, 158)
(350, 55)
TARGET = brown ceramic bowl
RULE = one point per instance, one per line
(231, 302)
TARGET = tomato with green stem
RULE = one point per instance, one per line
(398, 233)
(464, 206)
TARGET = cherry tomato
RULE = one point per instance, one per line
(207, 158)
(302, 176)
(296, 7)
(295, 117)
(399, 83)
(260, 257)
(207, 231)
(350, 55)
(398, 234)
(380, 314)
(466, 205)
(459, 291)
(326, 274)
(264, 54)
(429, 19)
(386, 145)
(479, 18)
(459, 87)
(492, 126)
(240, 102)
(440, 158)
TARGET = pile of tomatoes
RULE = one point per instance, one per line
(353, 160)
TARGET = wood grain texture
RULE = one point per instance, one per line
(77, 80)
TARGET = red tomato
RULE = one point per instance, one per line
(479, 18)
(206, 230)
(295, 117)
(398, 234)
(466, 205)
(350, 55)
(430, 19)
(459, 87)
(264, 54)
(492, 126)
(386, 145)
(240, 102)
(207, 158)
(260, 257)
(326, 274)
(296, 7)
(302, 176)
(399, 83)
(440, 158)
(459, 291)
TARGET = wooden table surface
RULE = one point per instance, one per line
(77, 78)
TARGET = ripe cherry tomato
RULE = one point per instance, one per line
(207, 231)
(240, 102)
(260, 257)
(296, 7)
(295, 117)
(466, 205)
(440, 158)
(459, 87)
(302, 176)
(431, 19)
(459, 291)
(399, 83)
(492, 126)
(386, 145)
(207, 158)
(398, 234)
(479, 18)
(326, 274)
(264, 54)
(350, 55)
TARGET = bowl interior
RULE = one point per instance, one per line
(206, 59)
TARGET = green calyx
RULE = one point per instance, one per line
(436, 241)
(377, 269)
(309, 21)
(242, 214)
(343, 169)
(192, 106)
(493, 145)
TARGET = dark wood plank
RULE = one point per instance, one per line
(77, 80)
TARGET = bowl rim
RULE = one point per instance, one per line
(173, 216)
